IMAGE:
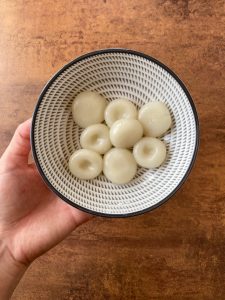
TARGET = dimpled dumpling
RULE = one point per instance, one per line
(120, 109)
(149, 152)
(96, 137)
(85, 164)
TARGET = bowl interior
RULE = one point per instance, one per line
(113, 74)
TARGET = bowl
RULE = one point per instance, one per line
(113, 73)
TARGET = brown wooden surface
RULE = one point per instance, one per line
(178, 250)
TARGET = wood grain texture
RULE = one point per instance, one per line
(178, 250)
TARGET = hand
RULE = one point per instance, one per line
(32, 218)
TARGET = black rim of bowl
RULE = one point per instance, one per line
(94, 53)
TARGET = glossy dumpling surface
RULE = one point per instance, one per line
(149, 152)
(88, 108)
(155, 119)
(120, 109)
(85, 164)
(125, 133)
(119, 165)
(96, 137)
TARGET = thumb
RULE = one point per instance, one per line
(19, 147)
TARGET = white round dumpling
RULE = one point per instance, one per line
(155, 119)
(149, 152)
(119, 166)
(125, 133)
(120, 109)
(88, 108)
(85, 164)
(96, 137)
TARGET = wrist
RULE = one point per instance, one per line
(11, 271)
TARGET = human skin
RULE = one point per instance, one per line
(32, 218)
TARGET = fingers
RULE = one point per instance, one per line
(19, 147)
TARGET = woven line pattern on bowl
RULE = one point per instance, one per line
(113, 75)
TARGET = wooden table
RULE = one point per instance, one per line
(178, 250)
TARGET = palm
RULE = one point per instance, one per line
(33, 218)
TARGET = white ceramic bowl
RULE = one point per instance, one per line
(114, 73)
